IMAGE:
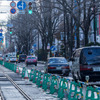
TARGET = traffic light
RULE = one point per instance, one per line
(10, 30)
(30, 7)
(2, 41)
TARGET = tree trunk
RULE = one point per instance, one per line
(86, 38)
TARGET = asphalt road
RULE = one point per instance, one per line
(40, 67)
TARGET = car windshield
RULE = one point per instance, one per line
(31, 58)
(91, 56)
(57, 60)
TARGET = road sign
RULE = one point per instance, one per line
(9, 25)
(0, 34)
(1, 30)
(13, 10)
(31, 50)
(13, 4)
(34, 45)
(21, 12)
(21, 5)
(53, 48)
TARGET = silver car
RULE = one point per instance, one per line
(58, 65)
(13, 59)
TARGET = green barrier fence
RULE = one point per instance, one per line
(60, 85)
(1, 62)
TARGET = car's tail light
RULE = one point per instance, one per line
(51, 67)
(85, 68)
(65, 67)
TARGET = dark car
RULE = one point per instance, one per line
(22, 58)
(57, 65)
(31, 60)
(86, 62)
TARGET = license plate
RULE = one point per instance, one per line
(96, 69)
(58, 68)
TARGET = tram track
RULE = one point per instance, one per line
(16, 86)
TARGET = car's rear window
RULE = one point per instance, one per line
(57, 60)
(90, 55)
(12, 57)
(31, 57)
(22, 55)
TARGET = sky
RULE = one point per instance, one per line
(4, 7)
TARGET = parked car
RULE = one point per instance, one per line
(57, 65)
(13, 59)
(31, 60)
(22, 58)
(86, 62)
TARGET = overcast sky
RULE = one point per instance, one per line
(4, 7)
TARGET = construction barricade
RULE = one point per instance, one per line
(55, 84)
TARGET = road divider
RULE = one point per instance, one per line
(63, 87)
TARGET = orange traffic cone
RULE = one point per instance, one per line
(17, 70)
(26, 75)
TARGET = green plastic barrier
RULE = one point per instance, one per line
(31, 74)
(34, 76)
(39, 79)
(72, 91)
(63, 86)
(1, 62)
(79, 94)
(23, 72)
(54, 84)
(46, 81)
(92, 93)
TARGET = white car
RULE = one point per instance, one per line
(13, 59)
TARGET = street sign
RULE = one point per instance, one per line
(31, 50)
(21, 12)
(0, 34)
(53, 48)
(9, 25)
(1, 30)
(21, 5)
(13, 4)
(13, 10)
(34, 45)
